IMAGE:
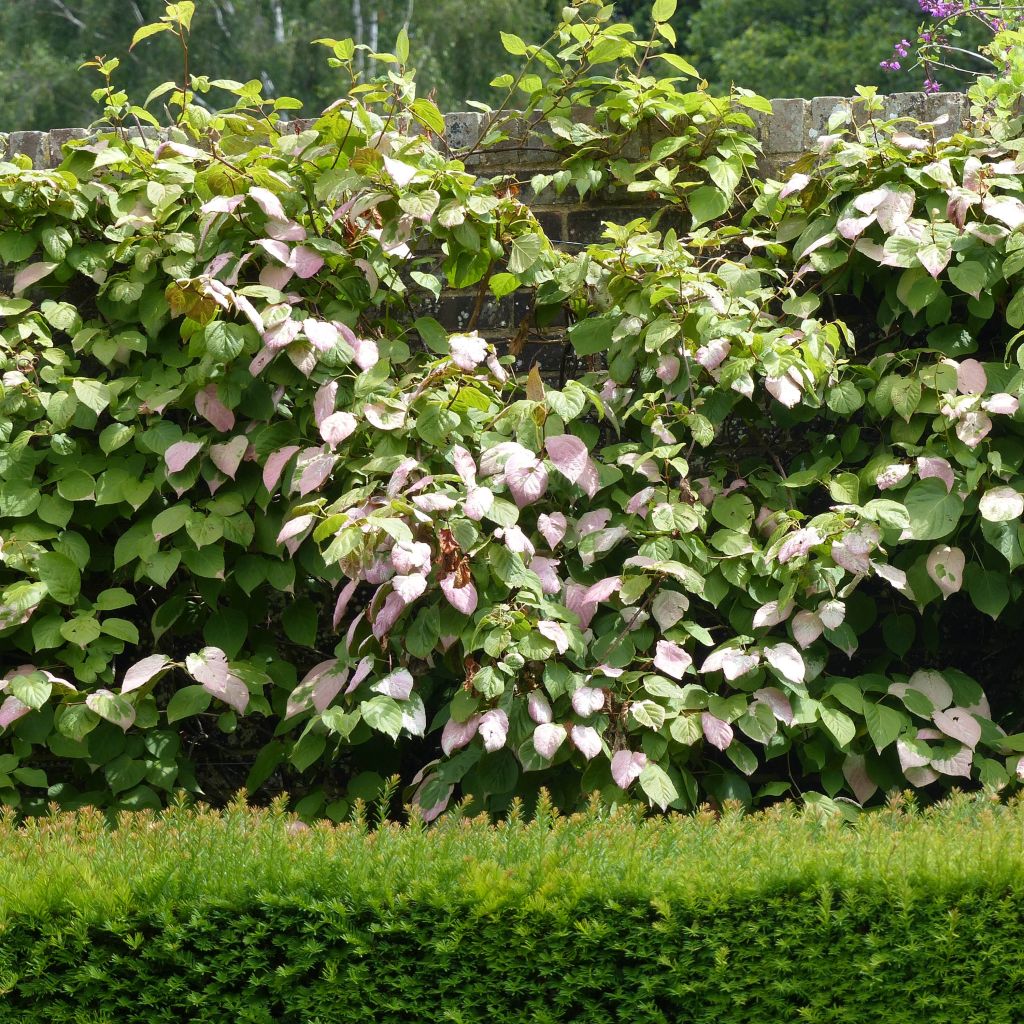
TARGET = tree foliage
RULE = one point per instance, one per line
(265, 40)
(246, 488)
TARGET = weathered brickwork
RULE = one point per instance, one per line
(792, 130)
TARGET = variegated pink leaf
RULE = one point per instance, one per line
(973, 427)
(28, 276)
(11, 710)
(295, 527)
(324, 401)
(143, 671)
(397, 684)
(807, 627)
(732, 662)
(388, 614)
(312, 469)
(799, 543)
(493, 729)
(228, 456)
(323, 336)
(626, 767)
(411, 557)
(180, 454)
(464, 464)
(958, 766)
(211, 670)
(213, 410)
(640, 502)
(891, 476)
(771, 614)
(668, 369)
(959, 724)
(286, 230)
(588, 700)
(410, 587)
(456, 735)
(468, 350)
(1001, 504)
(275, 465)
(586, 739)
(971, 378)
(796, 183)
(569, 455)
(112, 708)
(1007, 209)
(603, 589)
(279, 250)
(856, 774)
(301, 698)
(779, 703)
(539, 707)
(463, 599)
(304, 261)
(1001, 404)
(718, 733)
(554, 632)
(268, 202)
(945, 566)
(365, 352)
(933, 686)
(935, 466)
(713, 354)
(671, 659)
(785, 389)
(547, 738)
(344, 596)
(787, 661)
(527, 479)
(547, 571)
(384, 417)
(479, 501)
(338, 427)
(363, 670)
(222, 204)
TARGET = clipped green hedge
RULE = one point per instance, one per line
(784, 916)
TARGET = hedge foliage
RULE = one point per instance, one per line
(782, 916)
(256, 507)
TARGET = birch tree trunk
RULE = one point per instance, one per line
(360, 33)
(374, 28)
(277, 12)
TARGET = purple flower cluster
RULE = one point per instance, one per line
(900, 50)
(940, 8)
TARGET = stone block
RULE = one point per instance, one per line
(462, 131)
(822, 109)
(953, 106)
(60, 137)
(786, 130)
(906, 104)
(34, 145)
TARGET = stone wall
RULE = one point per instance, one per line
(789, 132)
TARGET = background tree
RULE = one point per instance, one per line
(776, 47)
(801, 48)
(45, 41)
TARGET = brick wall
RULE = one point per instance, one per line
(789, 132)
